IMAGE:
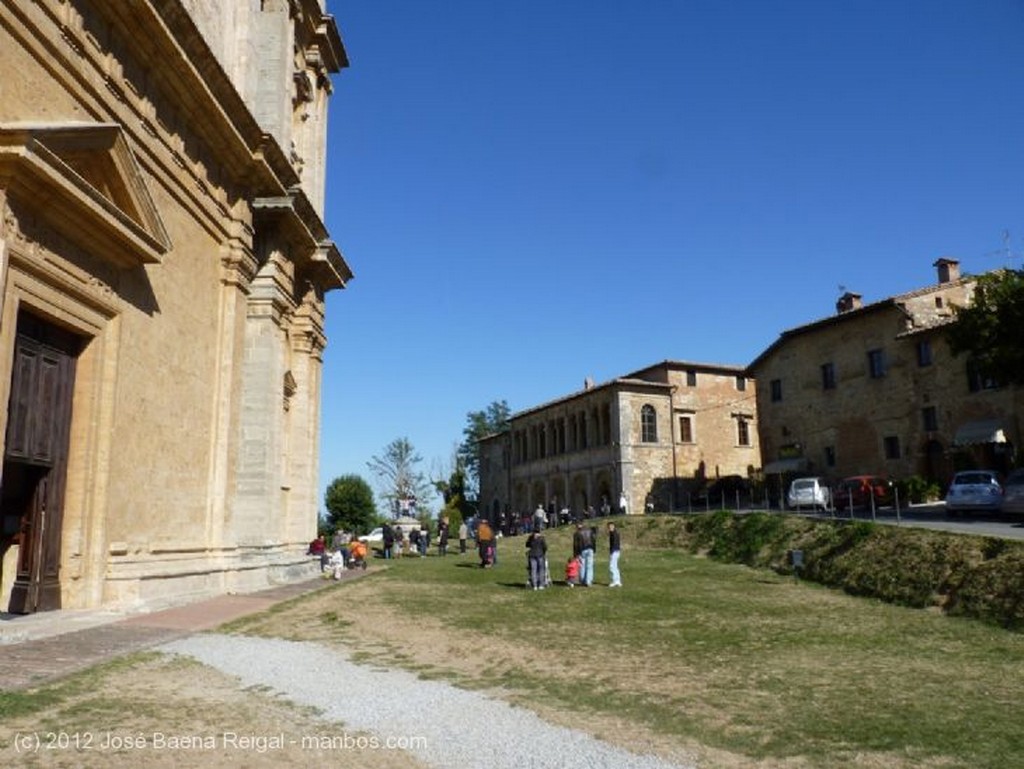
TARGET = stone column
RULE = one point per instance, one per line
(260, 487)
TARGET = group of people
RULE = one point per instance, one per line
(579, 569)
(397, 542)
(344, 553)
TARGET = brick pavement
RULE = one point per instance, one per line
(60, 649)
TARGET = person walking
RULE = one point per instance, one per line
(614, 549)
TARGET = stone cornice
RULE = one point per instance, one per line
(31, 166)
(293, 219)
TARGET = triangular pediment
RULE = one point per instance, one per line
(94, 168)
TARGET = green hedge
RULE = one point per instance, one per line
(963, 575)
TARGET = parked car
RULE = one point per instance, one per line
(1013, 493)
(375, 537)
(858, 491)
(809, 492)
(974, 490)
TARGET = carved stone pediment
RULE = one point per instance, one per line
(84, 180)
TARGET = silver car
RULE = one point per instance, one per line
(974, 490)
(809, 492)
(1013, 493)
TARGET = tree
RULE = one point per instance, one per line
(398, 475)
(989, 330)
(453, 492)
(479, 424)
(350, 505)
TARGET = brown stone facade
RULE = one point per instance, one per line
(160, 207)
(876, 390)
(643, 439)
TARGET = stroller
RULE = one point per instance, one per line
(357, 555)
(545, 576)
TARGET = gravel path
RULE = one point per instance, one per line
(395, 704)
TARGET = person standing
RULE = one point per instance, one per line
(583, 547)
(539, 517)
(537, 554)
(442, 536)
(388, 540)
(463, 536)
(614, 549)
(484, 538)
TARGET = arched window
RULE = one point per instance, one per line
(648, 424)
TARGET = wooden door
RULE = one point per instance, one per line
(38, 431)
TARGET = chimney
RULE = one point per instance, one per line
(949, 270)
(849, 301)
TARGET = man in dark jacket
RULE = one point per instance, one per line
(583, 546)
(537, 555)
(614, 547)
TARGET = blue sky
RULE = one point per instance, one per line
(531, 193)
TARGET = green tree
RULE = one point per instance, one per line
(479, 424)
(989, 330)
(453, 492)
(350, 505)
(399, 477)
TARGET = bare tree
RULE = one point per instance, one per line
(398, 476)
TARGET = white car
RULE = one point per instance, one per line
(809, 492)
(375, 537)
(974, 490)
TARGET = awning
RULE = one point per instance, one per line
(982, 431)
(791, 465)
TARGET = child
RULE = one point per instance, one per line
(572, 572)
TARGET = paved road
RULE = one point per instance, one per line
(935, 516)
(932, 516)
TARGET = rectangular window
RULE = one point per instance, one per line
(892, 447)
(742, 431)
(976, 381)
(691, 378)
(876, 363)
(741, 383)
(930, 419)
(776, 388)
(828, 376)
(686, 429)
(924, 353)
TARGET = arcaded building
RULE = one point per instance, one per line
(649, 436)
(874, 389)
(163, 266)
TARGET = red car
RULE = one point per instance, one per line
(858, 490)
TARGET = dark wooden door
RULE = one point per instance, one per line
(38, 432)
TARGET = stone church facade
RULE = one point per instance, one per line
(163, 266)
(650, 436)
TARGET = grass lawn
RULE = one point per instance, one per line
(735, 666)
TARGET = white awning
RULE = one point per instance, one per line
(982, 431)
(791, 465)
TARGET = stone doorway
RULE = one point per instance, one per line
(35, 462)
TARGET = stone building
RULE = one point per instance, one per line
(650, 436)
(875, 390)
(163, 265)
